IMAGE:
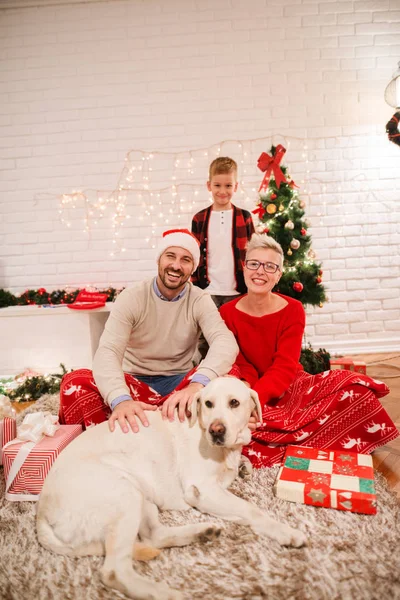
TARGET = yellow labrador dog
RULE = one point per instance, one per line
(104, 491)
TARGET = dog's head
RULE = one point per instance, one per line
(223, 409)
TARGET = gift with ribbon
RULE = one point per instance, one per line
(8, 426)
(270, 164)
(28, 458)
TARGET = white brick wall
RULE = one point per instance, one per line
(81, 84)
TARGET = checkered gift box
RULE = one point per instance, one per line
(332, 479)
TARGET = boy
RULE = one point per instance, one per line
(223, 231)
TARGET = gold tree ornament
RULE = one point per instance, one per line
(271, 209)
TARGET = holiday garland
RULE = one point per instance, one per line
(42, 296)
(29, 386)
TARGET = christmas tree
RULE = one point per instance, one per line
(281, 215)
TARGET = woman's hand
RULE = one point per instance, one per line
(182, 399)
(128, 411)
(253, 423)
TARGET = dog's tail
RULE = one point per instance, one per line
(143, 552)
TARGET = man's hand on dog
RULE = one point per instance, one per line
(182, 399)
(126, 413)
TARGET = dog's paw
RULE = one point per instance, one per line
(288, 536)
(212, 532)
(164, 592)
(173, 595)
(245, 467)
(192, 496)
(283, 534)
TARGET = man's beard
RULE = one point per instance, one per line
(173, 285)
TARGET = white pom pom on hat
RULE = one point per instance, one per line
(182, 238)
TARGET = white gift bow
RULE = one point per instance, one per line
(34, 427)
(6, 409)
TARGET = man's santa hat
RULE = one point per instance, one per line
(182, 238)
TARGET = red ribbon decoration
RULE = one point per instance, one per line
(270, 164)
(260, 211)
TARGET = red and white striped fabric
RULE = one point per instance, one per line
(37, 459)
(8, 431)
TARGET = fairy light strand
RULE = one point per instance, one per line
(166, 188)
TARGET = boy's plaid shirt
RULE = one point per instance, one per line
(242, 230)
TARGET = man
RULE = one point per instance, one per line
(148, 344)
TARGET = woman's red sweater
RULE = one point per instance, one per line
(270, 346)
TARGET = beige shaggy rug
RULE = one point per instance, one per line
(348, 556)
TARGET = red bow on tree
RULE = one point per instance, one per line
(260, 211)
(270, 164)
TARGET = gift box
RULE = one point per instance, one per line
(328, 478)
(360, 366)
(346, 362)
(8, 431)
(8, 427)
(36, 460)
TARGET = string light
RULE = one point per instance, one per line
(157, 177)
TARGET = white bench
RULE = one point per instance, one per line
(42, 338)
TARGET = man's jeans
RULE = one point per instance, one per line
(163, 384)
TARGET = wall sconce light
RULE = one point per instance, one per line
(392, 97)
(392, 92)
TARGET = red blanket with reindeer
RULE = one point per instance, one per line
(334, 409)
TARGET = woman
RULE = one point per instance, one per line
(334, 409)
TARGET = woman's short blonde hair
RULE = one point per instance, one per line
(266, 242)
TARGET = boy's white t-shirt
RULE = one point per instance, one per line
(220, 260)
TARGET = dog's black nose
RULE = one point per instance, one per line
(217, 431)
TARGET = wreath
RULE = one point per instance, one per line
(392, 129)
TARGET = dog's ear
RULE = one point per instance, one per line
(257, 405)
(193, 408)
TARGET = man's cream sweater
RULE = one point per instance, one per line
(145, 335)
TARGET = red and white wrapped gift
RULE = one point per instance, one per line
(28, 458)
(8, 424)
(328, 478)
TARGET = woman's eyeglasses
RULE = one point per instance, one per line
(268, 267)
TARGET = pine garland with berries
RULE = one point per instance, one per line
(26, 386)
(42, 296)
